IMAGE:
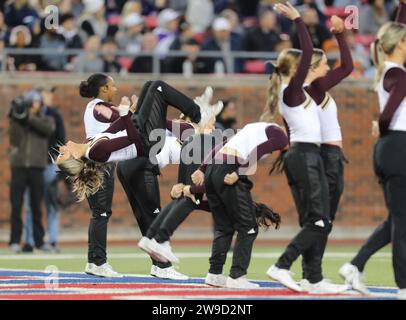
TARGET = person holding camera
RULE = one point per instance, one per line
(29, 133)
(50, 177)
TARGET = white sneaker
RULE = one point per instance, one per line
(144, 244)
(353, 277)
(402, 294)
(106, 271)
(325, 287)
(241, 283)
(284, 277)
(169, 273)
(207, 111)
(305, 285)
(153, 271)
(15, 248)
(89, 268)
(216, 280)
(163, 251)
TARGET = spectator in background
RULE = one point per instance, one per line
(89, 60)
(227, 118)
(318, 32)
(185, 33)
(129, 38)
(178, 5)
(20, 38)
(19, 12)
(223, 41)
(70, 32)
(167, 30)
(50, 177)
(131, 7)
(29, 133)
(109, 50)
(284, 42)
(317, 5)
(144, 64)
(234, 19)
(3, 26)
(93, 21)
(189, 64)
(54, 43)
(77, 8)
(372, 16)
(265, 36)
(200, 13)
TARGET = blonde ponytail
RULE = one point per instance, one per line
(284, 67)
(273, 97)
(387, 39)
(87, 176)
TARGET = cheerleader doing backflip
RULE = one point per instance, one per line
(129, 136)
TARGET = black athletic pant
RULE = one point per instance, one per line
(306, 176)
(170, 218)
(389, 165)
(33, 179)
(233, 211)
(333, 160)
(100, 204)
(140, 183)
(152, 110)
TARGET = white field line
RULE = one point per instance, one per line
(332, 255)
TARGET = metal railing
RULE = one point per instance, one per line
(228, 57)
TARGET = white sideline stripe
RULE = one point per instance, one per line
(334, 255)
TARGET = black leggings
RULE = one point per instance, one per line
(333, 160)
(139, 180)
(233, 211)
(100, 204)
(152, 108)
(170, 218)
(306, 176)
(389, 165)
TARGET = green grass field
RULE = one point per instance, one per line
(194, 262)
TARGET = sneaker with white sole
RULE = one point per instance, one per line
(402, 294)
(283, 276)
(326, 287)
(169, 273)
(305, 285)
(106, 271)
(144, 244)
(89, 268)
(353, 277)
(153, 271)
(15, 248)
(240, 283)
(163, 251)
(216, 280)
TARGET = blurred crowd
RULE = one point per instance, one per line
(102, 29)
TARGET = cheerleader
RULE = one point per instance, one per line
(320, 81)
(389, 51)
(228, 191)
(99, 114)
(303, 164)
(139, 180)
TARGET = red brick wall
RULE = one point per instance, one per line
(362, 202)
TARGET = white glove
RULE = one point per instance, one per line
(124, 106)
